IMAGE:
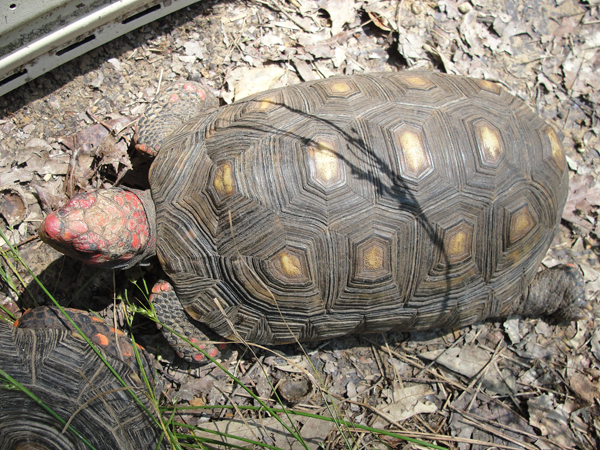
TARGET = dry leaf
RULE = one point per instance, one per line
(583, 387)
(341, 12)
(552, 421)
(258, 80)
(408, 401)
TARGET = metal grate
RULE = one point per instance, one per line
(38, 36)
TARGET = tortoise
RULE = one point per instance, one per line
(48, 357)
(357, 204)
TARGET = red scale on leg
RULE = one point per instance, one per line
(92, 237)
(161, 287)
(53, 226)
(83, 202)
(100, 339)
(133, 201)
(127, 256)
(68, 235)
(76, 215)
(189, 87)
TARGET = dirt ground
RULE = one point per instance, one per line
(518, 384)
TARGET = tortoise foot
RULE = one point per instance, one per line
(168, 111)
(557, 293)
(171, 314)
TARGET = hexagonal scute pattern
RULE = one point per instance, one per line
(395, 201)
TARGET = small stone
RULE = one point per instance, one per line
(97, 82)
(465, 7)
(53, 103)
(116, 64)
(511, 326)
(194, 49)
(417, 8)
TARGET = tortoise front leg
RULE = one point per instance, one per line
(171, 314)
(168, 111)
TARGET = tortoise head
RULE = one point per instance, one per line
(111, 228)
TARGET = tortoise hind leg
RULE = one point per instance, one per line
(557, 293)
(171, 314)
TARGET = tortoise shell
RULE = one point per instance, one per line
(58, 369)
(370, 203)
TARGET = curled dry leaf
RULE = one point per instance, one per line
(13, 206)
(382, 13)
(294, 389)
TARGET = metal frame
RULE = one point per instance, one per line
(38, 36)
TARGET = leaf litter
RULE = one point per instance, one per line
(516, 384)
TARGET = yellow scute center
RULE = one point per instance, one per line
(557, 150)
(290, 264)
(418, 81)
(413, 150)
(265, 103)
(340, 86)
(521, 223)
(374, 258)
(491, 142)
(457, 244)
(326, 162)
(223, 181)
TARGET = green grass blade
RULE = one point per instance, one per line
(315, 416)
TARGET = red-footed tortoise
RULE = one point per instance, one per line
(46, 355)
(369, 203)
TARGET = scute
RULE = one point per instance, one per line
(396, 201)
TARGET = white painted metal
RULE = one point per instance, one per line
(37, 36)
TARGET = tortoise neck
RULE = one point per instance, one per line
(148, 204)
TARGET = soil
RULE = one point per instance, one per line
(516, 384)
